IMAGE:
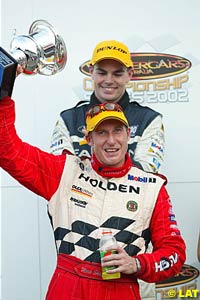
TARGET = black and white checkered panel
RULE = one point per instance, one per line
(81, 241)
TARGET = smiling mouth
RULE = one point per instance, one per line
(109, 88)
(111, 150)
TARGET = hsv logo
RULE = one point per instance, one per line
(152, 65)
(166, 263)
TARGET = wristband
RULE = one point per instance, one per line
(138, 265)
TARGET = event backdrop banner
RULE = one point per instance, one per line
(163, 37)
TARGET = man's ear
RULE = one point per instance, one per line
(129, 133)
(89, 139)
(91, 69)
(130, 73)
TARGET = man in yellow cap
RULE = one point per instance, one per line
(86, 196)
(111, 68)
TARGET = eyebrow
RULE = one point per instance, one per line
(121, 70)
(115, 127)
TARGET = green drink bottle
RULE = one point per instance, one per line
(107, 240)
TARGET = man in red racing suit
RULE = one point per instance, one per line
(86, 196)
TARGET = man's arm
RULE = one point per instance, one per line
(37, 170)
(149, 152)
(168, 253)
(60, 140)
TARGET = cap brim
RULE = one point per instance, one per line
(107, 57)
(111, 118)
(95, 121)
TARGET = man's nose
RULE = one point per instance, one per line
(111, 139)
(109, 78)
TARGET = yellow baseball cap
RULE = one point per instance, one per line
(112, 49)
(104, 111)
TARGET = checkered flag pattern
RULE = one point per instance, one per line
(81, 241)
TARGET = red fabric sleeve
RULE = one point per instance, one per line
(168, 253)
(37, 170)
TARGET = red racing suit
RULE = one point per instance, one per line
(135, 206)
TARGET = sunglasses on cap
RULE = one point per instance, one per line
(96, 109)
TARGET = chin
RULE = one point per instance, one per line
(111, 163)
(109, 100)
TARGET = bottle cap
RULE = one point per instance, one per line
(106, 231)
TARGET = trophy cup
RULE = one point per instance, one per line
(42, 52)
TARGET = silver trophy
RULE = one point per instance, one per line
(43, 51)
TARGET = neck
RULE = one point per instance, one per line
(109, 172)
(123, 102)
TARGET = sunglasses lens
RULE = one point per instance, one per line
(105, 106)
(96, 110)
(110, 106)
(93, 111)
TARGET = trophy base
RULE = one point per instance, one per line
(8, 67)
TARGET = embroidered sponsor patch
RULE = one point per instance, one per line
(133, 130)
(141, 179)
(132, 205)
(166, 262)
(172, 218)
(80, 190)
(78, 202)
